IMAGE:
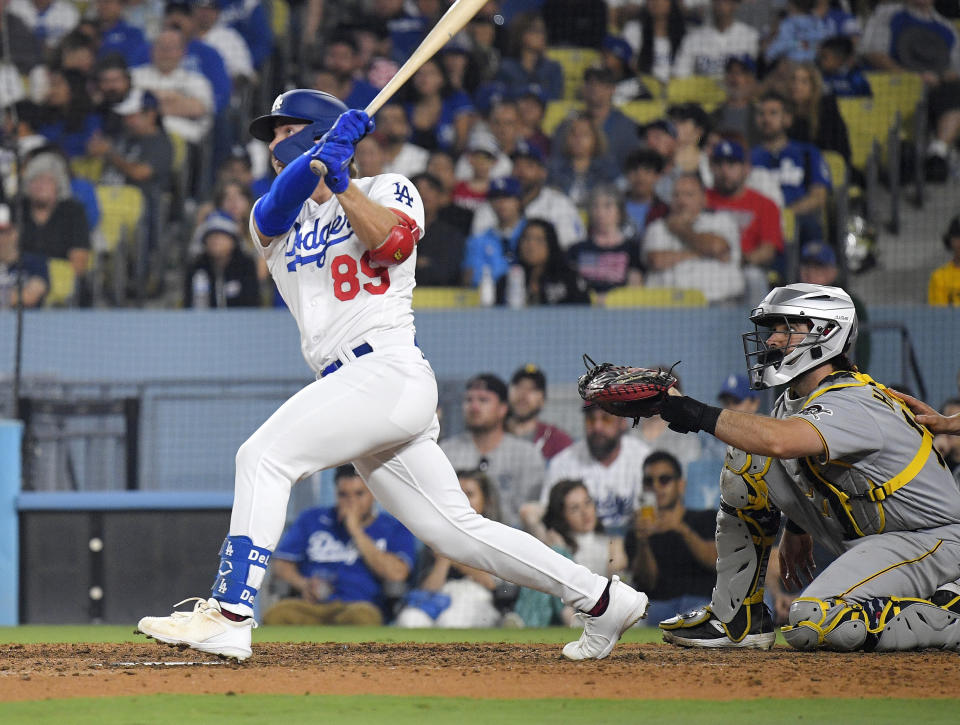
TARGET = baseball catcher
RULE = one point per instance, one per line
(844, 462)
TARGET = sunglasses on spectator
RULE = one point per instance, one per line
(662, 480)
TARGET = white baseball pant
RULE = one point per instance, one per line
(379, 411)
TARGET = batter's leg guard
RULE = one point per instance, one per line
(242, 568)
(883, 624)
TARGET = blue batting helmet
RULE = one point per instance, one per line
(317, 109)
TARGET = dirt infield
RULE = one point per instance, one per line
(33, 672)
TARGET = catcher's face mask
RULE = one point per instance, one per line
(797, 328)
(780, 348)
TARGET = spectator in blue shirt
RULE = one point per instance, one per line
(642, 170)
(799, 34)
(841, 75)
(836, 20)
(341, 559)
(528, 63)
(441, 117)
(250, 19)
(118, 36)
(582, 160)
(803, 174)
(200, 57)
(340, 58)
(496, 247)
(67, 117)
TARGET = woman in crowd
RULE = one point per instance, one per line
(67, 117)
(816, 117)
(451, 594)
(528, 63)
(441, 116)
(569, 525)
(662, 28)
(222, 275)
(548, 277)
(608, 257)
(582, 162)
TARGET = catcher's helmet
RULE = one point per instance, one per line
(833, 329)
(318, 109)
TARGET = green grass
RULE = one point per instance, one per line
(109, 633)
(368, 710)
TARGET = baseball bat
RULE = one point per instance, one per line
(450, 24)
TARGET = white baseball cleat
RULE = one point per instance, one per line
(627, 606)
(204, 629)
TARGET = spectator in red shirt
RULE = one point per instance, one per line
(526, 396)
(757, 216)
(482, 152)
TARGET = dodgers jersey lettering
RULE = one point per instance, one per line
(324, 274)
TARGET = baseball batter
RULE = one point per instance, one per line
(343, 254)
(850, 466)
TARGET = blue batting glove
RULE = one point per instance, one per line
(351, 126)
(335, 148)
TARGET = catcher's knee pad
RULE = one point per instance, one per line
(830, 623)
(242, 568)
(746, 526)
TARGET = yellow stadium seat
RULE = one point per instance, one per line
(87, 167)
(897, 92)
(653, 84)
(644, 111)
(574, 62)
(179, 146)
(424, 297)
(837, 166)
(121, 210)
(62, 282)
(654, 297)
(706, 91)
(866, 122)
(789, 223)
(556, 112)
(280, 18)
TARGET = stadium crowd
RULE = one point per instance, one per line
(562, 154)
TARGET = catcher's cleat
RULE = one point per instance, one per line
(701, 628)
(601, 633)
(204, 629)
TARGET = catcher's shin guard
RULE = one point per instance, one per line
(884, 624)
(746, 526)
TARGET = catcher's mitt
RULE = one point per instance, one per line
(625, 391)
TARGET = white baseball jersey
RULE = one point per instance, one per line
(323, 273)
(614, 488)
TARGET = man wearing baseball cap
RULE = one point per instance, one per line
(538, 200)
(513, 463)
(526, 396)
(142, 155)
(757, 216)
(736, 112)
